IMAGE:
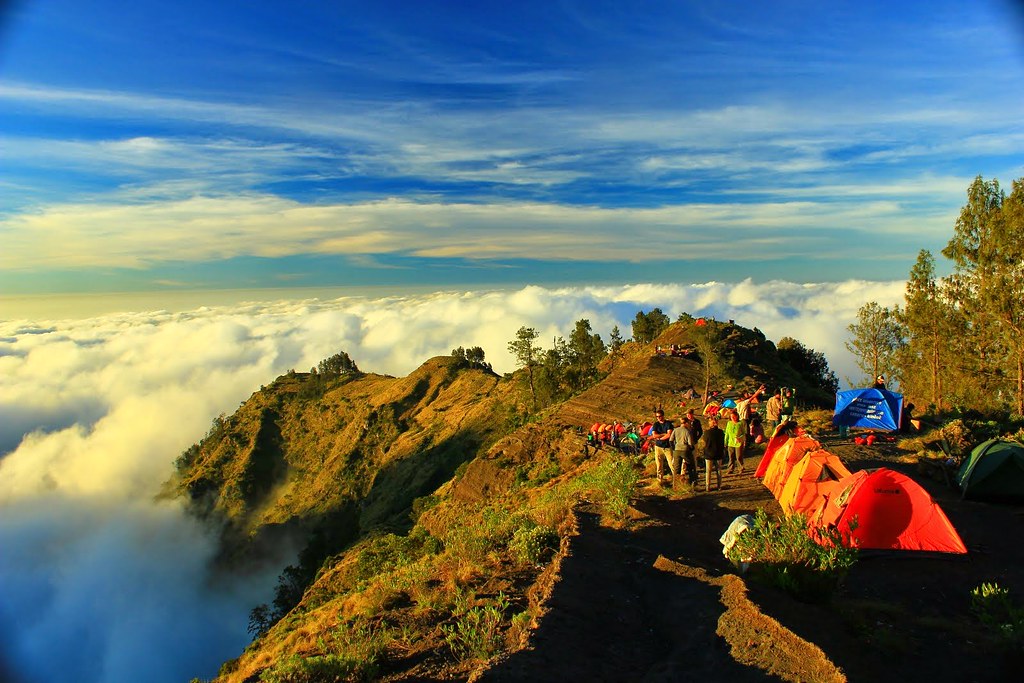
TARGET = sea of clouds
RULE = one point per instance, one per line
(100, 582)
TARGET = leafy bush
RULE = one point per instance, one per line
(390, 551)
(534, 545)
(806, 563)
(994, 607)
(476, 633)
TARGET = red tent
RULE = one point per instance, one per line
(892, 511)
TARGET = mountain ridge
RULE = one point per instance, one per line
(360, 457)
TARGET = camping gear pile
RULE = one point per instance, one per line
(878, 509)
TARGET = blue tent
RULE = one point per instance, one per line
(871, 408)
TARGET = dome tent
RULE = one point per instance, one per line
(993, 471)
(784, 460)
(891, 512)
(870, 408)
(809, 480)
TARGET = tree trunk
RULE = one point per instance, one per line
(1020, 385)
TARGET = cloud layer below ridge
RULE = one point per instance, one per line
(102, 583)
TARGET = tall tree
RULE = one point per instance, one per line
(986, 250)
(586, 349)
(929, 320)
(526, 353)
(809, 364)
(877, 337)
(707, 338)
(647, 326)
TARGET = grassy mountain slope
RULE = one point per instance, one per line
(355, 450)
(352, 456)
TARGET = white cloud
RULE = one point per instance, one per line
(99, 578)
(214, 228)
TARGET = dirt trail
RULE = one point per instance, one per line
(646, 603)
(657, 601)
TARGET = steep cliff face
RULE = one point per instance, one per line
(361, 446)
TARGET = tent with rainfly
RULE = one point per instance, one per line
(809, 480)
(870, 408)
(891, 510)
(784, 460)
(993, 471)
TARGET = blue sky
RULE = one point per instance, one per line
(168, 146)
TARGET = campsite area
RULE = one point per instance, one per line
(656, 600)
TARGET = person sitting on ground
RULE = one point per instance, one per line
(908, 423)
(756, 430)
(788, 428)
(714, 453)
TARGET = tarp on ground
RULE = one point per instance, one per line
(809, 479)
(993, 471)
(892, 512)
(785, 459)
(870, 408)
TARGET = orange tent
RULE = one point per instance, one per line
(809, 480)
(892, 512)
(774, 444)
(785, 458)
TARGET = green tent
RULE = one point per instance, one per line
(994, 471)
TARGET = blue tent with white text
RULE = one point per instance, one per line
(870, 408)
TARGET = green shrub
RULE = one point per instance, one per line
(534, 545)
(476, 633)
(808, 564)
(390, 551)
(612, 483)
(997, 611)
(318, 669)
(421, 505)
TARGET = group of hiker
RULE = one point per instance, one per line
(673, 350)
(731, 429)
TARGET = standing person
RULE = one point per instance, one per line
(661, 438)
(698, 432)
(735, 441)
(773, 411)
(880, 382)
(788, 404)
(686, 444)
(743, 405)
(714, 453)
